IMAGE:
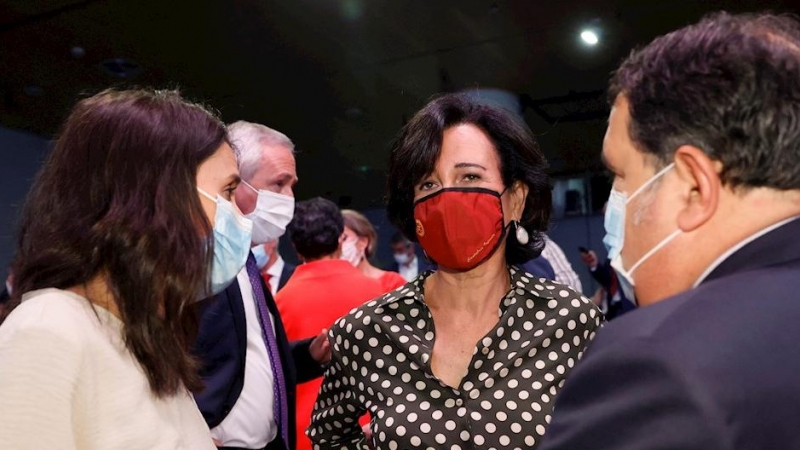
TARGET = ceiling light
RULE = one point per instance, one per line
(589, 37)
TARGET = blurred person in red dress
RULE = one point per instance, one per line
(358, 247)
(322, 289)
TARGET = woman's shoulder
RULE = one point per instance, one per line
(54, 314)
(555, 296)
(370, 314)
(49, 330)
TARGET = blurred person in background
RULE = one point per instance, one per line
(613, 300)
(564, 273)
(359, 246)
(129, 223)
(322, 289)
(702, 224)
(249, 367)
(274, 269)
(406, 262)
(474, 353)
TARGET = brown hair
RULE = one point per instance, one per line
(727, 85)
(362, 227)
(117, 198)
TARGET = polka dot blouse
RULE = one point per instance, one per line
(381, 365)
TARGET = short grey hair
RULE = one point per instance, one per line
(247, 139)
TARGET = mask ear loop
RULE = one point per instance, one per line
(250, 186)
(654, 249)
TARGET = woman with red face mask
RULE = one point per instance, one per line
(473, 354)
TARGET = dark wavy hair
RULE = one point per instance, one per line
(316, 228)
(117, 198)
(729, 85)
(417, 149)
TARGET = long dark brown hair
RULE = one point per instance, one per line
(117, 198)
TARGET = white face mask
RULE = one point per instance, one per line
(271, 215)
(351, 254)
(615, 234)
(402, 258)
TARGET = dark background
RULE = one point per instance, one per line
(339, 77)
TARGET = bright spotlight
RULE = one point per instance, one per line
(589, 37)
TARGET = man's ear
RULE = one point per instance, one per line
(701, 187)
(519, 192)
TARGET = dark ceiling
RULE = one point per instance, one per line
(339, 77)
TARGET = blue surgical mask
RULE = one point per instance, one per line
(614, 223)
(261, 256)
(231, 243)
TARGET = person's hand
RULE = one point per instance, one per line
(599, 296)
(216, 443)
(320, 348)
(367, 435)
(590, 259)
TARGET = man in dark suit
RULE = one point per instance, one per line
(249, 367)
(615, 303)
(703, 223)
(406, 262)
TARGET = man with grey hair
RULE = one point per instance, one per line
(249, 368)
(702, 224)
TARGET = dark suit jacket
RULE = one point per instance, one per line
(221, 346)
(286, 273)
(717, 367)
(540, 267)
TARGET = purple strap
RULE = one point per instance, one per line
(279, 386)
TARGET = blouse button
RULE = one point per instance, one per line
(459, 402)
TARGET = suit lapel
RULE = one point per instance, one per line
(233, 295)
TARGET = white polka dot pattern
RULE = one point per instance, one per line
(381, 365)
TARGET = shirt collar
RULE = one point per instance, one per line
(276, 268)
(520, 281)
(738, 247)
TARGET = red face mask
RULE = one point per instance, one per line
(460, 228)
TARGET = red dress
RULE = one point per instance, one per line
(391, 281)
